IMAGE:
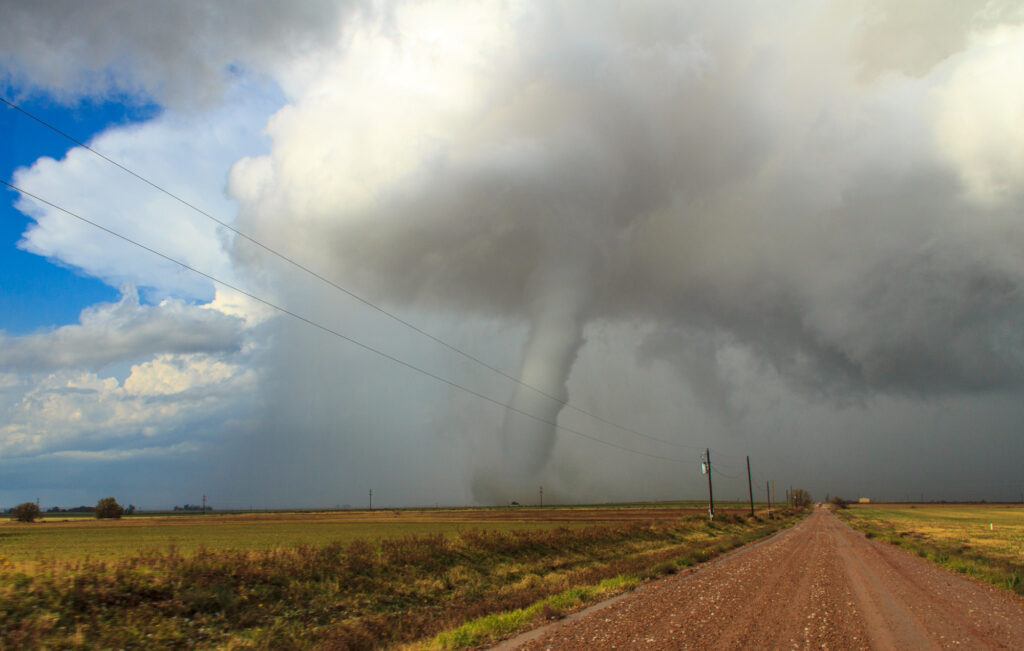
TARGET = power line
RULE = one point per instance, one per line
(727, 465)
(719, 472)
(735, 456)
(335, 332)
(340, 288)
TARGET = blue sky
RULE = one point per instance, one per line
(39, 293)
(793, 235)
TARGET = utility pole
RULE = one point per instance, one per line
(371, 499)
(750, 487)
(542, 496)
(711, 494)
(768, 494)
(204, 505)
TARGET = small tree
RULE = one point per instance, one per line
(26, 512)
(800, 498)
(108, 508)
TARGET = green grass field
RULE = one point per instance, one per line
(982, 540)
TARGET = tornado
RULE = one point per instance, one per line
(528, 431)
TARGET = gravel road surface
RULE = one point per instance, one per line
(816, 585)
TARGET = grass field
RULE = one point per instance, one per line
(982, 540)
(433, 578)
(62, 538)
(83, 539)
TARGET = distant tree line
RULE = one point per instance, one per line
(192, 507)
(77, 509)
(106, 508)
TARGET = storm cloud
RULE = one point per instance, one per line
(182, 54)
(791, 231)
(755, 176)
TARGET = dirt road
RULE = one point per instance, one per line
(817, 585)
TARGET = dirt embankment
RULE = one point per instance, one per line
(816, 585)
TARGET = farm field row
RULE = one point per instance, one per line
(982, 540)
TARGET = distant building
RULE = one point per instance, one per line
(864, 500)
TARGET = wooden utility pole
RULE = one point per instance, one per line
(750, 487)
(542, 496)
(204, 505)
(768, 495)
(711, 494)
(371, 499)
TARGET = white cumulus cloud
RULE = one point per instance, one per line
(123, 332)
(74, 410)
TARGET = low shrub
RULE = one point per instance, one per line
(838, 502)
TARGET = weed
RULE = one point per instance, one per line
(665, 567)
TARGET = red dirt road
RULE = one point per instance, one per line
(816, 585)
